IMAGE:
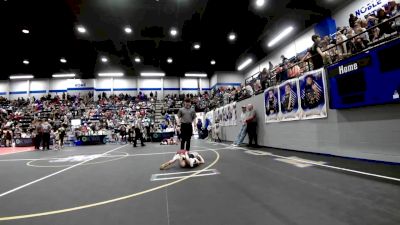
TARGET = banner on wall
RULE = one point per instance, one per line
(210, 116)
(313, 95)
(234, 115)
(226, 115)
(289, 100)
(271, 104)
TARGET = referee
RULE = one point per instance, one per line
(186, 116)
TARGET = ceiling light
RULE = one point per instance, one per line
(212, 62)
(152, 74)
(25, 31)
(63, 75)
(260, 3)
(195, 75)
(63, 60)
(232, 36)
(245, 64)
(15, 77)
(114, 74)
(104, 59)
(169, 60)
(280, 36)
(26, 62)
(196, 46)
(128, 30)
(173, 32)
(81, 29)
(138, 60)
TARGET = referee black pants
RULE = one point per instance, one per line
(252, 132)
(186, 135)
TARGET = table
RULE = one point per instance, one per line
(23, 142)
(91, 140)
(159, 136)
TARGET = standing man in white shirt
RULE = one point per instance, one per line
(243, 129)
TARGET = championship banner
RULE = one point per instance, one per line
(225, 113)
(234, 115)
(313, 95)
(271, 105)
(210, 116)
(218, 116)
(289, 100)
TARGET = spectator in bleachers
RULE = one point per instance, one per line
(385, 28)
(315, 53)
(352, 20)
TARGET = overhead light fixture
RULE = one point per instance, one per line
(104, 59)
(128, 30)
(25, 31)
(212, 62)
(245, 64)
(232, 36)
(173, 32)
(26, 62)
(195, 75)
(196, 46)
(63, 60)
(113, 74)
(152, 74)
(137, 59)
(16, 77)
(169, 60)
(63, 75)
(280, 36)
(81, 29)
(260, 3)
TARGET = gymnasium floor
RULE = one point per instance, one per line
(117, 184)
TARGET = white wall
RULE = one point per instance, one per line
(4, 88)
(204, 84)
(102, 85)
(58, 85)
(152, 83)
(213, 80)
(189, 83)
(342, 15)
(125, 86)
(38, 87)
(19, 89)
(171, 86)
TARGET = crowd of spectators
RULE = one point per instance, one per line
(114, 115)
(360, 35)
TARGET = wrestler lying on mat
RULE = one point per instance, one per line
(186, 160)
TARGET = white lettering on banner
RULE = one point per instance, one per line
(370, 7)
(257, 153)
(299, 162)
(347, 69)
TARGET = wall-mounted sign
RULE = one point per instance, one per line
(370, 7)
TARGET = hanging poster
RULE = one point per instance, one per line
(210, 116)
(234, 115)
(313, 95)
(289, 100)
(271, 105)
